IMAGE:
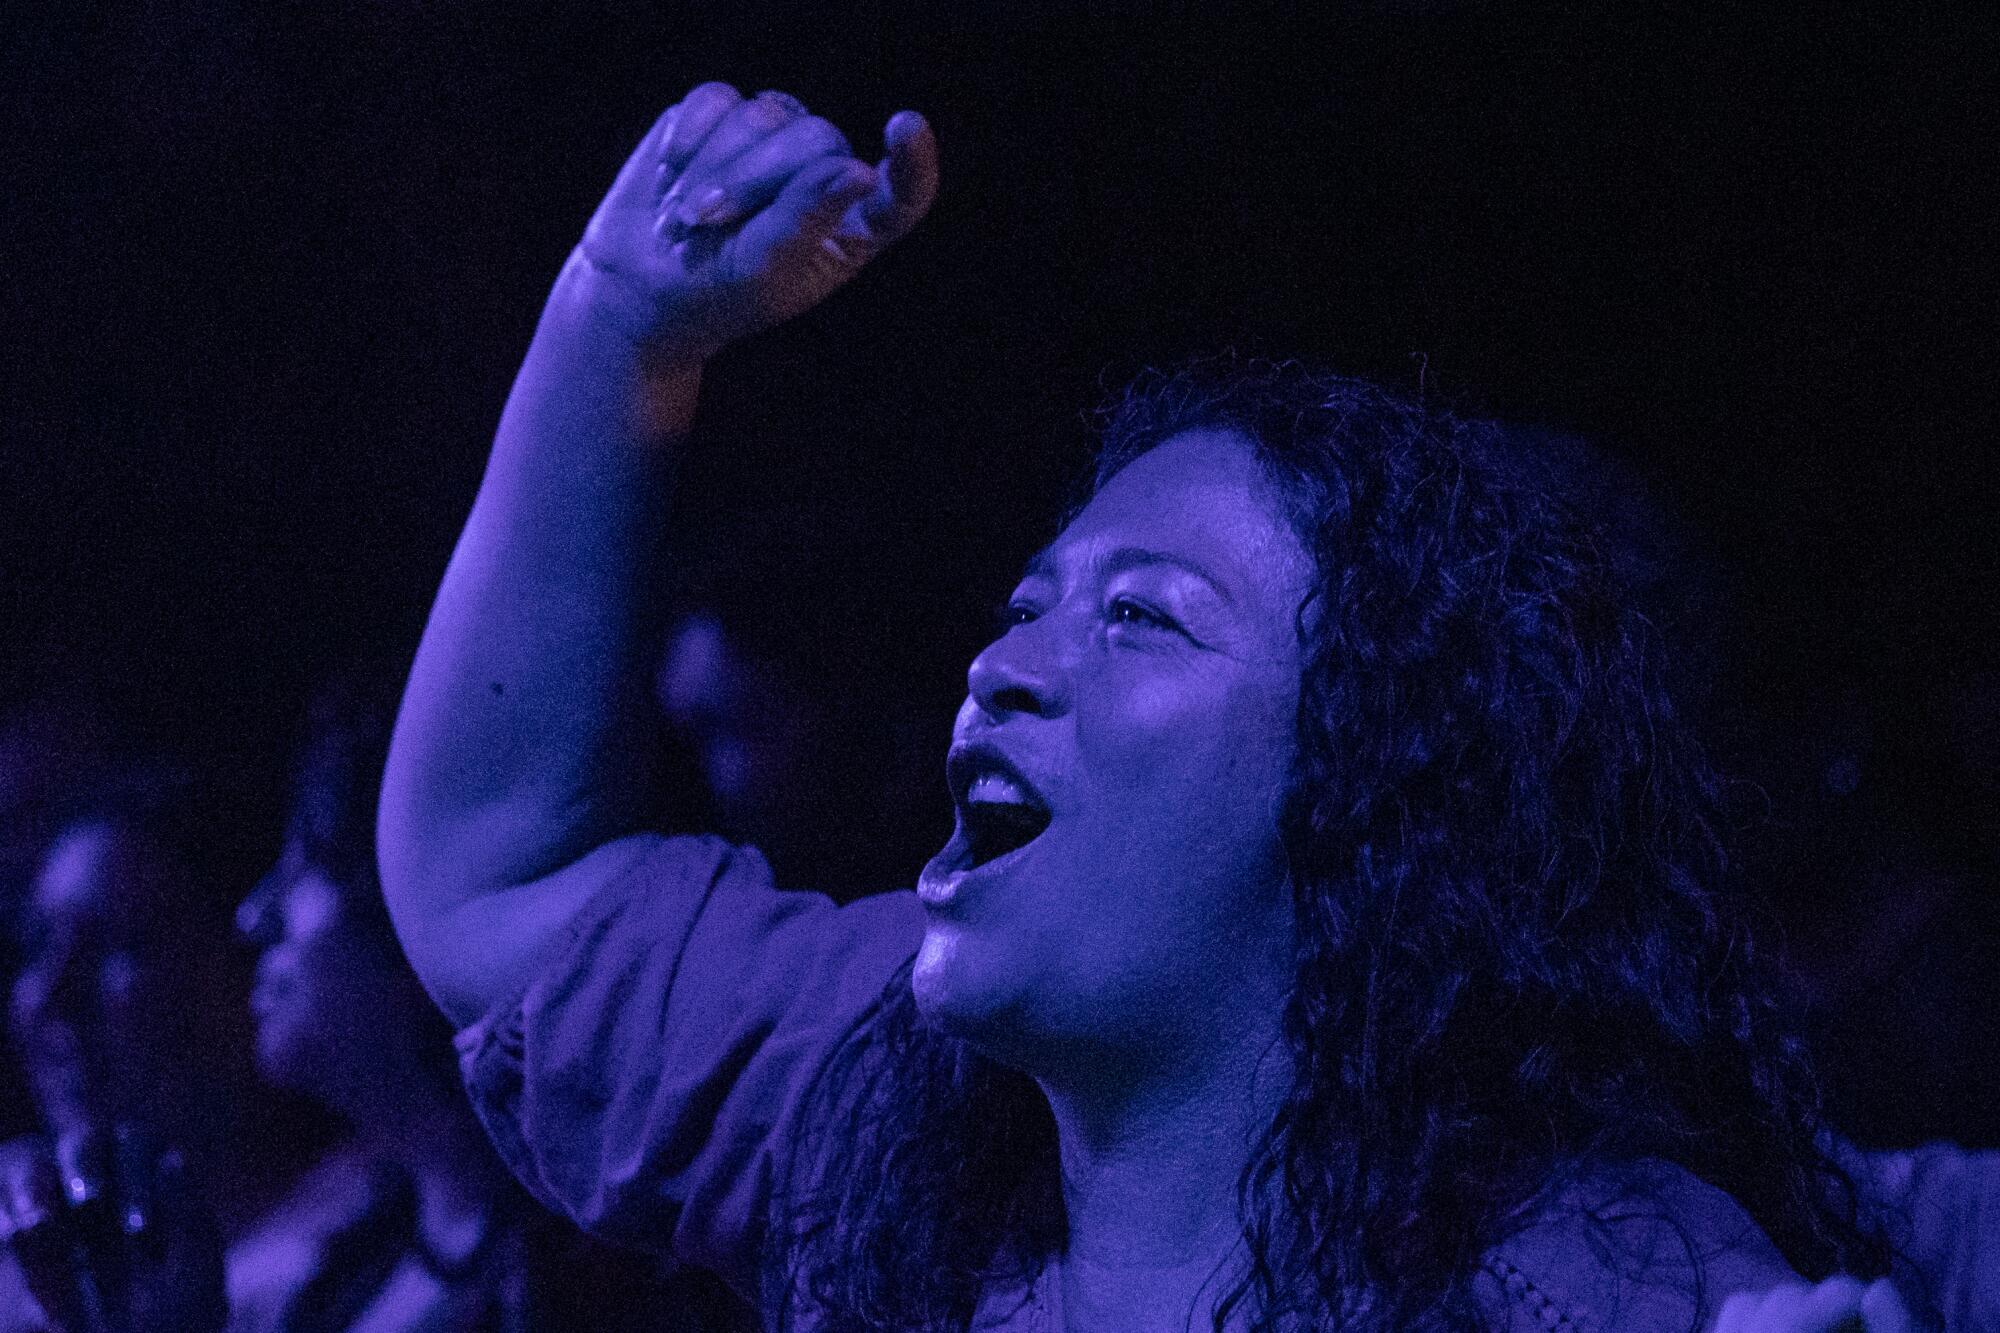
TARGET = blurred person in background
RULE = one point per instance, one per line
(765, 749)
(50, 747)
(126, 1011)
(408, 1222)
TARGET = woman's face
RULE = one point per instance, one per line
(318, 999)
(1135, 724)
(96, 994)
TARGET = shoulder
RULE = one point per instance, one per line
(1642, 1247)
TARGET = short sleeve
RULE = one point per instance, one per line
(648, 1081)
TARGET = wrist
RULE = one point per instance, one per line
(599, 327)
(599, 298)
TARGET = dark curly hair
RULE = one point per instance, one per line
(1521, 953)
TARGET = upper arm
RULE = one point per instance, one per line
(482, 951)
(646, 1081)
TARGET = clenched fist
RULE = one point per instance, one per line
(737, 213)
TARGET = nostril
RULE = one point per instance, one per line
(1011, 677)
(1015, 699)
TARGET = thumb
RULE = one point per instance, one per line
(908, 179)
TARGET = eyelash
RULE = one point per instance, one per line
(1146, 615)
(1020, 613)
(1009, 614)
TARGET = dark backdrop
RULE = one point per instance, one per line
(269, 268)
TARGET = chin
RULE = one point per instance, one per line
(933, 978)
(280, 1062)
(951, 993)
(969, 998)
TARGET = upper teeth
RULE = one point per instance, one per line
(996, 789)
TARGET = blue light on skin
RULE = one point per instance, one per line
(339, 1018)
(92, 1009)
(1134, 958)
(324, 1004)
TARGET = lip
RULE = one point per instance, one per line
(939, 888)
(267, 995)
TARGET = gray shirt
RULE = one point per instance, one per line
(649, 1083)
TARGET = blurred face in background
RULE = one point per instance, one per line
(747, 725)
(97, 1012)
(328, 995)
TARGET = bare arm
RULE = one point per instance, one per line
(508, 795)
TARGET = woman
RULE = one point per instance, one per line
(1333, 934)
(408, 1224)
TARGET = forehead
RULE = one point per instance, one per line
(79, 876)
(1201, 496)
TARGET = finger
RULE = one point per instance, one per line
(757, 175)
(136, 1153)
(87, 1161)
(908, 179)
(30, 1184)
(1883, 1311)
(646, 173)
(742, 126)
(801, 224)
(35, 1228)
(1833, 1304)
(692, 121)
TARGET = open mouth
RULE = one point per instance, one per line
(995, 828)
(999, 812)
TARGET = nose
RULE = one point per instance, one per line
(1020, 672)
(28, 1002)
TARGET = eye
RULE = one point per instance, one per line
(1125, 611)
(1010, 614)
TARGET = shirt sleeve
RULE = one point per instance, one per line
(1645, 1249)
(647, 1082)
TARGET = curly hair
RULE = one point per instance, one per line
(1521, 957)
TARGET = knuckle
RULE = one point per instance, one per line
(791, 105)
(765, 113)
(713, 90)
(822, 135)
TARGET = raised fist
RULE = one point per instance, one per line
(737, 213)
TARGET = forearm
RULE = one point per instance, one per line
(514, 753)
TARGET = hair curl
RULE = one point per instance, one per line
(1521, 951)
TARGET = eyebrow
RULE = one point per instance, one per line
(1043, 565)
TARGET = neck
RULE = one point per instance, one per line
(414, 1122)
(1150, 1173)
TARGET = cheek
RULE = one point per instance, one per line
(1208, 752)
